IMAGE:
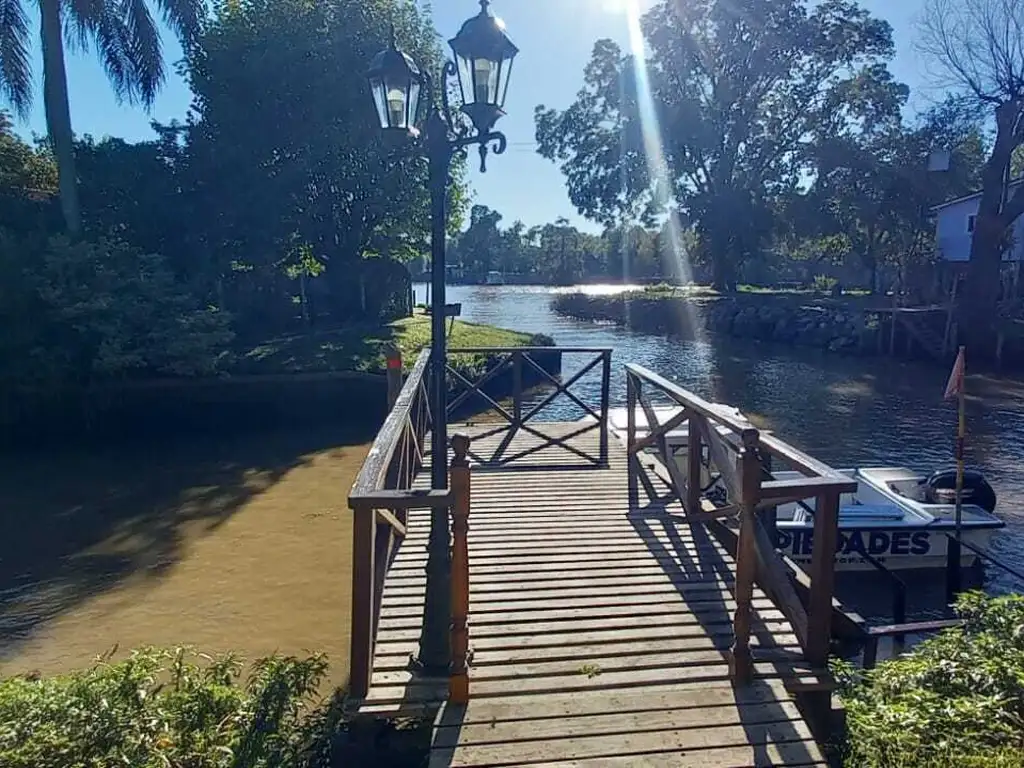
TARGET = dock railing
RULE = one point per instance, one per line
(527, 369)
(380, 501)
(739, 453)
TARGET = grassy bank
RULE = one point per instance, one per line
(362, 348)
(328, 376)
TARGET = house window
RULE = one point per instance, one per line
(970, 223)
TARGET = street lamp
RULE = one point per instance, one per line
(483, 57)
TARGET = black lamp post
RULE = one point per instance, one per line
(483, 61)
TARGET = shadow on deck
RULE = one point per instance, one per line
(600, 625)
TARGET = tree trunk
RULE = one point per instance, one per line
(58, 112)
(981, 287)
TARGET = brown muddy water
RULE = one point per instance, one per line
(235, 543)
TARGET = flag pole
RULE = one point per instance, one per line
(953, 557)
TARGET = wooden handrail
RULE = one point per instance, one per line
(380, 499)
(898, 632)
(371, 476)
(688, 399)
(740, 454)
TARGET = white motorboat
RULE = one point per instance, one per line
(899, 517)
(494, 277)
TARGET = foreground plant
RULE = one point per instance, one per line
(166, 708)
(956, 700)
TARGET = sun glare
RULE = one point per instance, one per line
(657, 165)
(618, 6)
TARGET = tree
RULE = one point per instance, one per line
(979, 47)
(479, 246)
(28, 182)
(872, 193)
(284, 154)
(127, 41)
(85, 312)
(742, 90)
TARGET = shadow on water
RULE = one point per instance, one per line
(76, 524)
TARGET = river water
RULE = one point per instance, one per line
(846, 411)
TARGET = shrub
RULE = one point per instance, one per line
(824, 283)
(165, 708)
(955, 700)
(86, 312)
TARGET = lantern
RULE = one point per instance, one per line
(483, 59)
(395, 83)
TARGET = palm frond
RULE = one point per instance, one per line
(184, 18)
(80, 19)
(114, 44)
(146, 54)
(15, 64)
(127, 39)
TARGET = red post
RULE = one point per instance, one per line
(393, 356)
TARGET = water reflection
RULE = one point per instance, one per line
(845, 411)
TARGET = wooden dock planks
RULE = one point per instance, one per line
(599, 624)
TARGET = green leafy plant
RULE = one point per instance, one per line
(956, 700)
(164, 708)
(824, 283)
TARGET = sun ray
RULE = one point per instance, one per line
(657, 164)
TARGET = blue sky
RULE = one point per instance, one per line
(555, 38)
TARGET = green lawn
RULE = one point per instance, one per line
(362, 348)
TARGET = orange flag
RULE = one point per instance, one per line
(955, 386)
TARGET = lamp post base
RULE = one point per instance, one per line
(417, 667)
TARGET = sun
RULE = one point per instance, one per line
(618, 6)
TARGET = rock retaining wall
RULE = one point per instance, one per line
(784, 320)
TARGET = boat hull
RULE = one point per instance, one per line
(902, 548)
(899, 532)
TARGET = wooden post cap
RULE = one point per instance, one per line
(460, 445)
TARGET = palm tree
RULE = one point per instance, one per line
(125, 37)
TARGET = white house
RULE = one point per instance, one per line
(954, 226)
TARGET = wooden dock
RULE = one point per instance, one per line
(601, 620)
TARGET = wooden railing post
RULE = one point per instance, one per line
(632, 397)
(693, 465)
(823, 552)
(459, 479)
(746, 556)
(606, 376)
(770, 515)
(364, 602)
(394, 372)
(517, 388)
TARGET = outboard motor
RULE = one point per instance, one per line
(940, 488)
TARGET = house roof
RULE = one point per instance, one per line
(1013, 184)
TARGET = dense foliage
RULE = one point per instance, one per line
(160, 708)
(955, 700)
(181, 708)
(79, 312)
(277, 206)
